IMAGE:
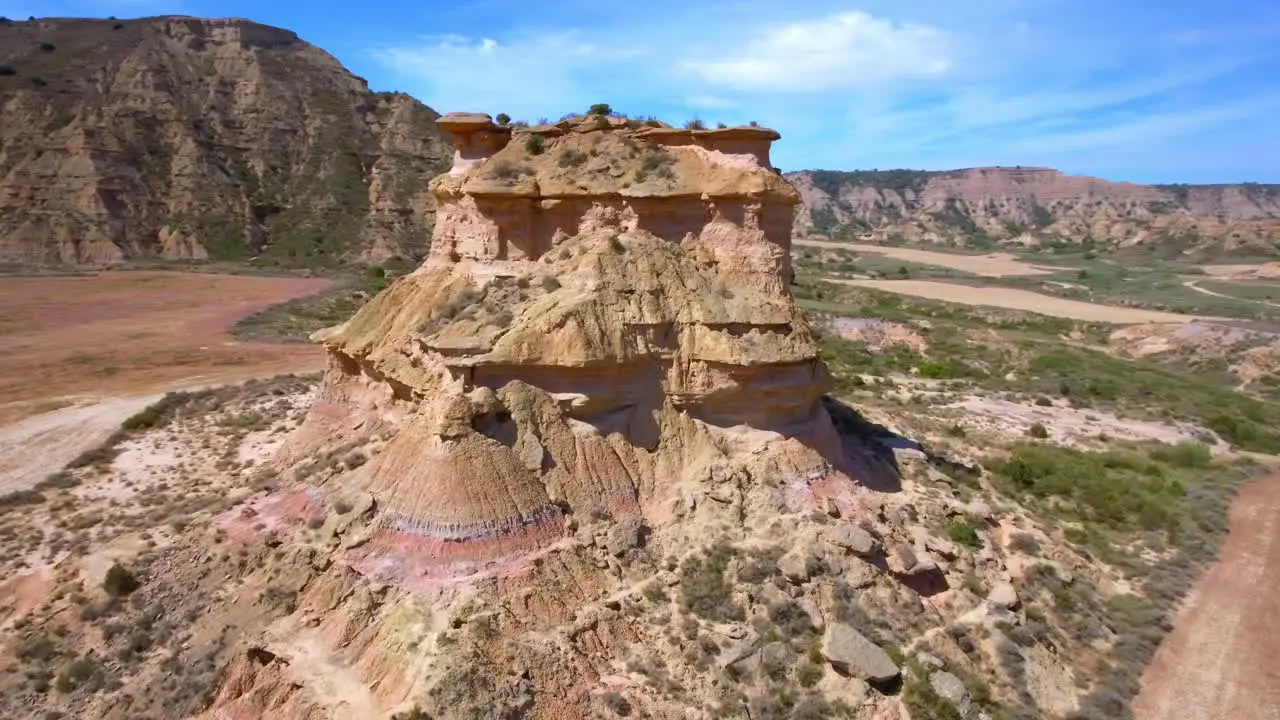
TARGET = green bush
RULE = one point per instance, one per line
(503, 119)
(941, 369)
(1116, 490)
(535, 145)
(1038, 432)
(600, 109)
(571, 158)
(964, 532)
(1184, 455)
(695, 124)
(705, 589)
(809, 675)
(119, 582)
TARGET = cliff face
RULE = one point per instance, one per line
(1036, 206)
(601, 337)
(600, 306)
(184, 138)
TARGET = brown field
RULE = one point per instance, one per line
(1015, 299)
(82, 353)
(1220, 659)
(990, 265)
(131, 333)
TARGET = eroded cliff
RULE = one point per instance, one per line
(604, 316)
(188, 138)
(1038, 206)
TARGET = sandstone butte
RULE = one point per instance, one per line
(603, 323)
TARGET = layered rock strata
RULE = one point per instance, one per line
(603, 320)
(1034, 206)
(185, 138)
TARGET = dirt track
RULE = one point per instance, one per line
(1015, 299)
(1222, 659)
(83, 353)
(992, 265)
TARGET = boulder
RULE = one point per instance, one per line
(623, 536)
(851, 538)
(950, 688)
(851, 653)
(795, 565)
(1003, 595)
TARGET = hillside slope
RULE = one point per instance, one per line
(181, 138)
(983, 206)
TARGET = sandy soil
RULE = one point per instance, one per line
(81, 354)
(1222, 659)
(72, 339)
(37, 446)
(1068, 426)
(992, 265)
(1016, 299)
(1247, 272)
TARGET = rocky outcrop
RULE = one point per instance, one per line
(187, 138)
(853, 654)
(603, 323)
(982, 206)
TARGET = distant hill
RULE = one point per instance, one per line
(987, 206)
(181, 138)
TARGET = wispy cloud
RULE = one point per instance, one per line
(527, 75)
(890, 84)
(849, 49)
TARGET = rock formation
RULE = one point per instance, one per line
(187, 138)
(980, 206)
(603, 324)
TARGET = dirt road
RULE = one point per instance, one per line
(81, 354)
(992, 265)
(33, 448)
(1193, 284)
(1222, 659)
(1015, 299)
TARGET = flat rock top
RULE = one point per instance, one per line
(605, 155)
(462, 122)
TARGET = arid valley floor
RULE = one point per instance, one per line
(121, 340)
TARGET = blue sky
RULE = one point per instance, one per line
(1172, 91)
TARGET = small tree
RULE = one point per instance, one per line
(695, 124)
(600, 109)
(503, 119)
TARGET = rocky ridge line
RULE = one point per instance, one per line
(183, 138)
(982, 206)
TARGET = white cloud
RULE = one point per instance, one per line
(846, 50)
(1144, 130)
(527, 76)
